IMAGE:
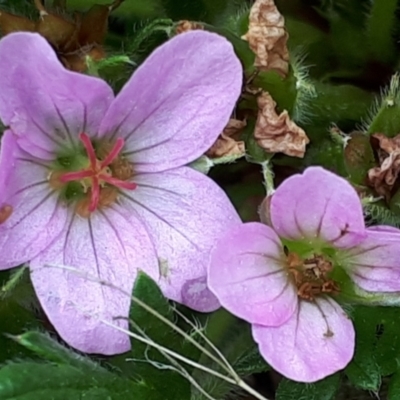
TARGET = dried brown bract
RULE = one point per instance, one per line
(383, 178)
(277, 133)
(228, 144)
(72, 38)
(267, 37)
(186, 26)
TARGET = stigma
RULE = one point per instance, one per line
(98, 175)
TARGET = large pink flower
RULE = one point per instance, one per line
(283, 279)
(99, 183)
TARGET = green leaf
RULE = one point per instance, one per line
(321, 390)
(251, 362)
(381, 24)
(363, 372)
(32, 381)
(13, 319)
(385, 115)
(387, 347)
(377, 346)
(49, 349)
(394, 387)
(148, 363)
(68, 375)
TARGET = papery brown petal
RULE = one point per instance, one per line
(267, 37)
(384, 177)
(76, 61)
(226, 144)
(56, 30)
(185, 26)
(94, 23)
(14, 23)
(278, 133)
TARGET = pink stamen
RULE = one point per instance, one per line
(95, 171)
(89, 149)
(113, 154)
(76, 176)
(118, 182)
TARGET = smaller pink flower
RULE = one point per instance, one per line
(284, 279)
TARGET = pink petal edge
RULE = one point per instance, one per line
(247, 274)
(318, 205)
(316, 342)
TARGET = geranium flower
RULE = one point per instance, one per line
(284, 279)
(99, 183)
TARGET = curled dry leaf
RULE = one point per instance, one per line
(227, 143)
(383, 178)
(185, 26)
(278, 133)
(267, 37)
(72, 39)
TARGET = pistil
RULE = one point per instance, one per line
(98, 171)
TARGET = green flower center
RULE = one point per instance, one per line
(92, 179)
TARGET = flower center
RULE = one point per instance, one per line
(311, 276)
(98, 174)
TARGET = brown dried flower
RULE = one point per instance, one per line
(267, 37)
(278, 133)
(185, 26)
(227, 143)
(72, 39)
(383, 178)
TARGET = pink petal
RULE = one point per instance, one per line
(317, 341)
(109, 247)
(43, 103)
(177, 103)
(185, 212)
(374, 264)
(37, 217)
(248, 276)
(318, 205)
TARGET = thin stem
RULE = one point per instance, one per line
(268, 176)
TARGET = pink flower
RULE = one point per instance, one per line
(99, 183)
(284, 279)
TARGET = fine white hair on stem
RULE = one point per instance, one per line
(174, 367)
(207, 340)
(233, 377)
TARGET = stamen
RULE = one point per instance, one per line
(113, 154)
(311, 276)
(89, 149)
(96, 174)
